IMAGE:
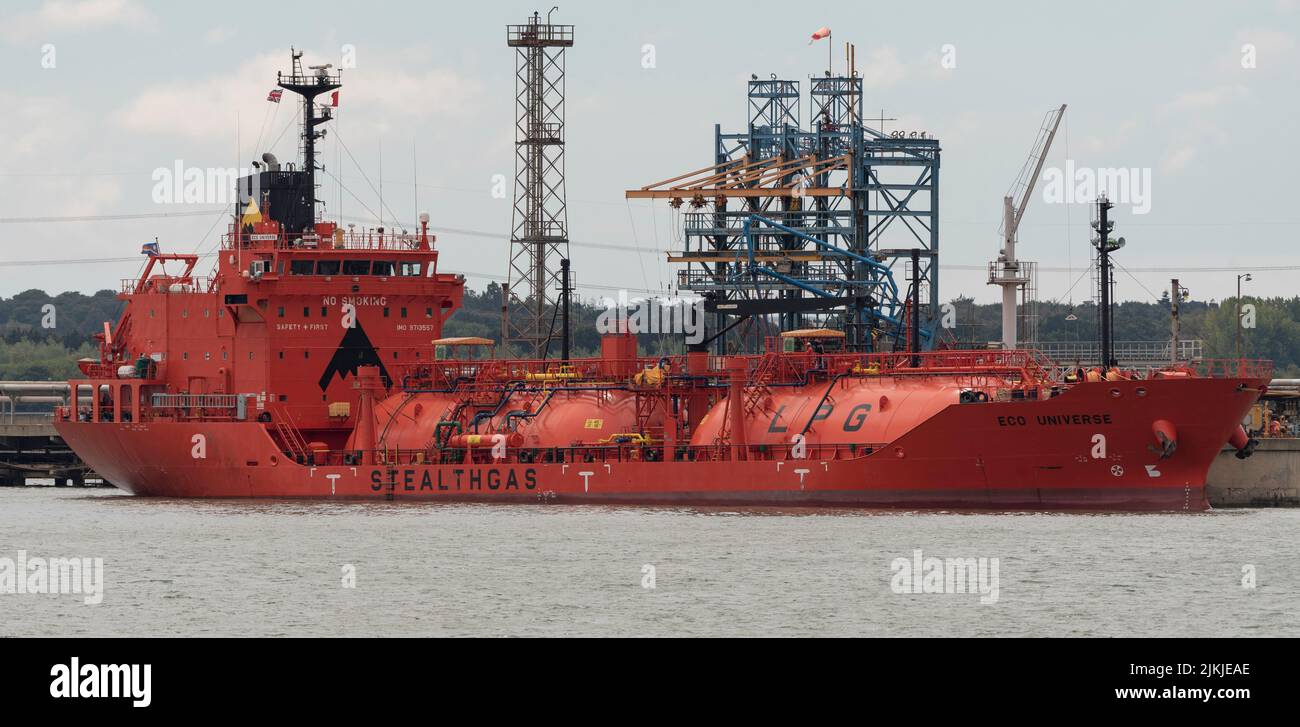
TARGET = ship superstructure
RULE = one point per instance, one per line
(277, 331)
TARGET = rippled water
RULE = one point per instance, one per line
(263, 568)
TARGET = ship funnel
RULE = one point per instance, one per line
(272, 164)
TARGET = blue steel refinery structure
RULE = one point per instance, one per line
(812, 225)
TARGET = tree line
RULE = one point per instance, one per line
(35, 347)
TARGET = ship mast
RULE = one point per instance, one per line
(1105, 246)
(309, 86)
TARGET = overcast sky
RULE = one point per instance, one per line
(96, 95)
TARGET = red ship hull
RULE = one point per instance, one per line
(1013, 455)
(312, 363)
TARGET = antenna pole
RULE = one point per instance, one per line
(1103, 243)
(415, 178)
(565, 291)
(915, 322)
(1175, 296)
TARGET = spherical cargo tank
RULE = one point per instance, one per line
(569, 417)
(555, 418)
(407, 421)
(870, 410)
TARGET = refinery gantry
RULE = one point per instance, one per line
(807, 224)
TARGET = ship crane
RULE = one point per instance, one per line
(1016, 276)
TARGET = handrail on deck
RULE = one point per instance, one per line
(590, 454)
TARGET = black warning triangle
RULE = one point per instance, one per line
(354, 350)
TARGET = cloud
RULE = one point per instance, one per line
(207, 107)
(1178, 159)
(1207, 98)
(955, 129)
(883, 68)
(40, 160)
(203, 108)
(218, 34)
(34, 128)
(70, 16)
(1116, 138)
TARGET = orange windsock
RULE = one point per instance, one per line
(822, 32)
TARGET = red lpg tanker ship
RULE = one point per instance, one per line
(311, 364)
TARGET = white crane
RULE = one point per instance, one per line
(1012, 274)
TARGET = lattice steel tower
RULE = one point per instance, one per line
(539, 236)
(803, 222)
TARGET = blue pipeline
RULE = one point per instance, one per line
(886, 275)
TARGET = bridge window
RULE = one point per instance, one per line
(301, 267)
(403, 311)
(385, 312)
(382, 267)
(306, 312)
(281, 312)
(324, 312)
(327, 267)
(356, 267)
(428, 312)
(410, 269)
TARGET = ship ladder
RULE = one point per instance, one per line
(758, 389)
(291, 437)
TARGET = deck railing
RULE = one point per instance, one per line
(166, 285)
(206, 406)
(588, 454)
(365, 240)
